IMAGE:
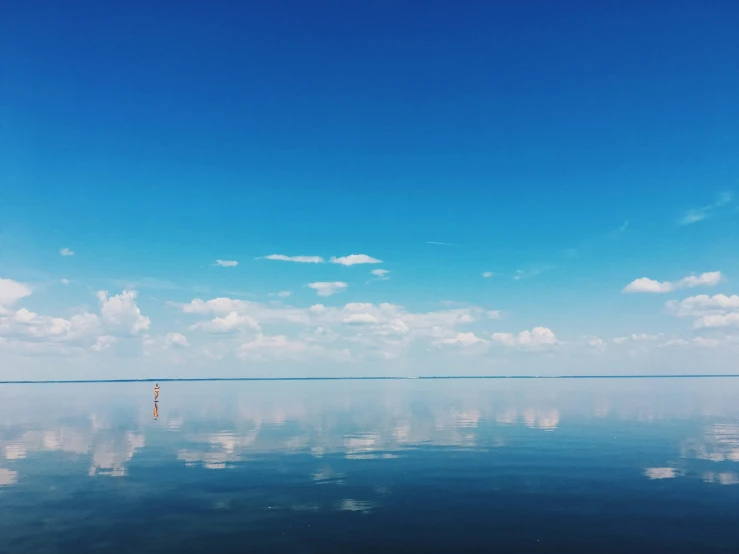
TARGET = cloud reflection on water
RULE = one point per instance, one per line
(219, 426)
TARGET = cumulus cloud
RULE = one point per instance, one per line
(355, 259)
(714, 311)
(537, 337)
(646, 285)
(703, 305)
(12, 291)
(176, 340)
(121, 312)
(385, 330)
(718, 320)
(297, 259)
(328, 288)
(104, 342)
(226, 263)
(29, 332)
(66, 252)
(30, 326)
(228, 324)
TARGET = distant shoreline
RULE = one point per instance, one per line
(426, 377)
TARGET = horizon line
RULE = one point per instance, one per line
(366, 378)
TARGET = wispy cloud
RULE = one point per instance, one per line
(704, 212)
(328, 288)
(66, 252)
(488, 274)
(528, 273)
(646, 285)
(355, 259)
(441, 243)
(620, 231)
(226, 263)
(296, 259)
(381, 274)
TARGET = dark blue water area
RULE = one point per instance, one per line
(401, 466)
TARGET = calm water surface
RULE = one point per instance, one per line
(648, 465)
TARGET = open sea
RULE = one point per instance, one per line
(468, 465)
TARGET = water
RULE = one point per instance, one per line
(600, 465)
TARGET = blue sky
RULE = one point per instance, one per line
(568, 149)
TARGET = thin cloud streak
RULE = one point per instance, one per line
(704, 212)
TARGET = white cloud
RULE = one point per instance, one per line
(12, 291)
(488, 274)
(673, 342)
(381, 274)
(64, 281)
(228, 324)
(440, 243)
(66, 252)
(384, 330)
(354, 259)
(646, 285)
(104, 342)
(703, 305)
(284, 293)
(297, 259)
(30, 326)
(702, 342)
(636, 337)
(463, 339)
(279, 347)
(26, 332)
(359, 319)
(176, 340)
(714, 311)
(537, 337)
(259, 311)
(328, 288)
(226, 263)
(698, 342)
(120, 312)
(718, 320)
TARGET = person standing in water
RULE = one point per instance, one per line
(156, 392)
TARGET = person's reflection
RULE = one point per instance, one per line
(155, 413)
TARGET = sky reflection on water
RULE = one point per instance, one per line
(296, 454)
